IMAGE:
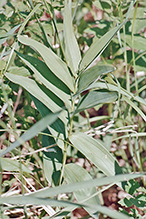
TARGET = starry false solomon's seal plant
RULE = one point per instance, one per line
(62, 84)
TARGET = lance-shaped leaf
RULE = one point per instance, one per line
(24, 200)
(4, 37)
(97, 48)
(92, 74)
(72, 49)
(46, 76)
(12, 165)
(56, 65)
(33, 131)
(33, 88)
(100, 45)
(52, 159)
(96, 97)
(95, 152)
(114, 87)
(51, 192)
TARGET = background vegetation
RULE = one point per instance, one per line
(73, 86)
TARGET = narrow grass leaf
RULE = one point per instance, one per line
(33, 88)
(97, 48)
(24, 200)
(94, 98)
(110, 212)
(33, 131)
(72, 49)
(51, 192)
(56, 65)
(98, 208)
(92, 74)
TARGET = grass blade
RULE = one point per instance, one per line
(51, 192)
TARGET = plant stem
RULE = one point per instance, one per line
(69, 134)
(125, 52)
(132, 39)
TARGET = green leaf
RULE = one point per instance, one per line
(19, 71)
(52, 159)
(92, 74)
(8, 164)
(28, 17)
(51, 192)
(46, 76)
(34, 130)
(32, 87)
(116, 88)
(94, 98)
(72, 48)
(24, 200)
(100, 45)
(131, 103)
(4, 37)
(94, 151)
(75, 173)
(54, 63)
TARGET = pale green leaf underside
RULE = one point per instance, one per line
(57, 66)
(32, 87)
(62, 95)
(92, 74)
(8, 164)
(97, 48)
(51, 192)
(116, 88)
(24, 200)
(33, 131)
(95, 152)
(125, 95)
(72, 49)
(94, 98)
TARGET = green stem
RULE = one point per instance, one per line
(132, 39)
(67, 142)
(125, 52)
(52, 14)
